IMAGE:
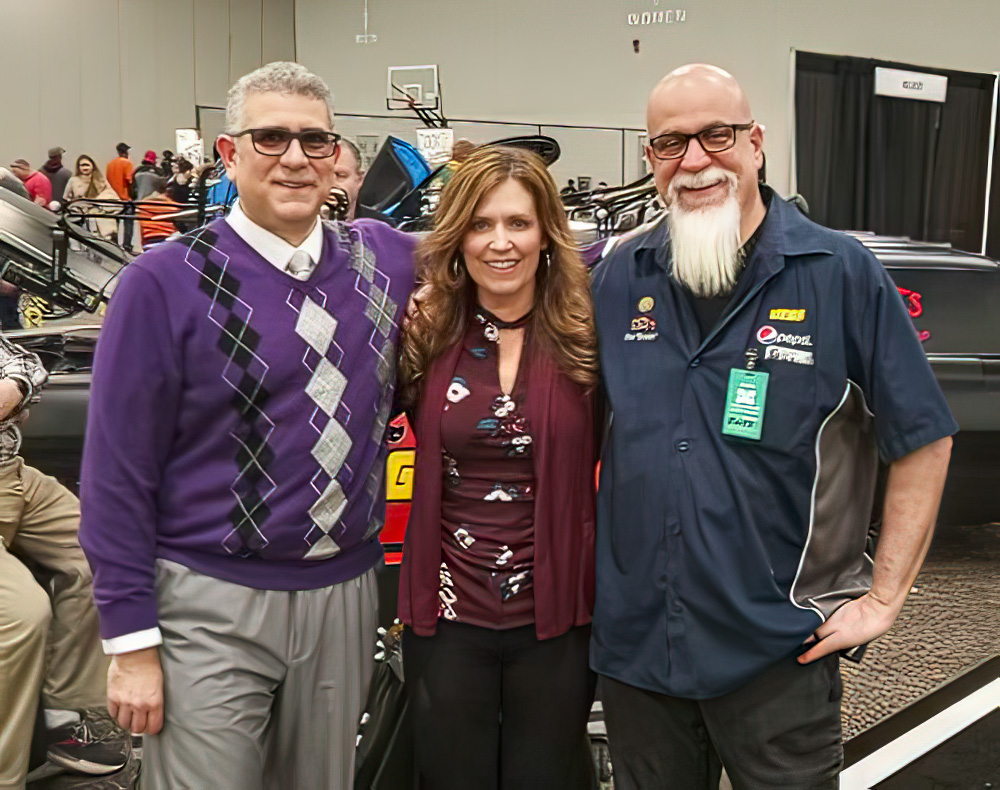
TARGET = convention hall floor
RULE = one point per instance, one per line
(951, 622)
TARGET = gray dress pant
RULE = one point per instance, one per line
(263, 689)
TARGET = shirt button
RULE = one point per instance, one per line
(683, 445)
(695, 362)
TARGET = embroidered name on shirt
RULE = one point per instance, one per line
(780, 314)
(795, 355)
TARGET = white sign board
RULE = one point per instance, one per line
(910, 85)
(190, 146)
(435, 145)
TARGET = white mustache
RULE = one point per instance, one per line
(701, 179)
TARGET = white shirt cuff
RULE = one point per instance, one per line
(128, 643)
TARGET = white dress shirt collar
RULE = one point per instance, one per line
(274, 249)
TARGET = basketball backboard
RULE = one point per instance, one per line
(413, 87)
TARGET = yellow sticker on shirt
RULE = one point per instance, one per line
(788, 315)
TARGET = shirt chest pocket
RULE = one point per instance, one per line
(790, 409)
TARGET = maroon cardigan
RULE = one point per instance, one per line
(561, 416)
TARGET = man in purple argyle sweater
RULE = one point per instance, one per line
(234, 459)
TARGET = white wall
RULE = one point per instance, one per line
(86, 74)
(572, 61)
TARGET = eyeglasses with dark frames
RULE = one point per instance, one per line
(713, 140)
(274, 141)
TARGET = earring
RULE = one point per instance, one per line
(455, 267)
(548, 257)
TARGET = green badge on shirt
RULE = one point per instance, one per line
(745, 401)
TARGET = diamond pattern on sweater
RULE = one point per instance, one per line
(363, 261)
(326, 386)
(338, 431)
(245, 372)
(316, 326)
(329, 507)
(380, 310)
(324, 548)
(331, 450)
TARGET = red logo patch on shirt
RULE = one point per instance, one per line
(767, 334)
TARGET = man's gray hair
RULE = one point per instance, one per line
(278, 77)
(347, 142)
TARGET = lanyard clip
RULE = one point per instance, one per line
(751, 356)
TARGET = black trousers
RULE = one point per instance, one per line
(780, 730)
(9, 317)
(128, 229)
(500, 710)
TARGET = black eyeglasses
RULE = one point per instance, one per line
(316, 144)
(713, 140)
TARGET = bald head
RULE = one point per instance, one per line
(693, 87)
(707, 147)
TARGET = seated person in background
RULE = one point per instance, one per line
(153, 228)
(47, 646)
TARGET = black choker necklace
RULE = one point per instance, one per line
(492, 325)
(485, 316)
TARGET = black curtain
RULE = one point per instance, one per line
(898, 167)
(993, 226)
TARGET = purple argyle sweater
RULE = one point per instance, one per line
(237, 416)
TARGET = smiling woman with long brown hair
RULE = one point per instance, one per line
(498, 366)
(89, 182)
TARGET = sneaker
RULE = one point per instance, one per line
(77, 747)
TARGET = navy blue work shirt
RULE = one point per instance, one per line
(718, 556)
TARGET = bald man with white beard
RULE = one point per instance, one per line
(756, 367)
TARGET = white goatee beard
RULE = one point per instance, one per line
(705, 242)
